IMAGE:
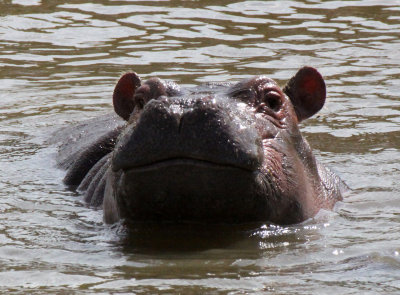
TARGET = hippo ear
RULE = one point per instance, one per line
(307, 92)
(123, 95)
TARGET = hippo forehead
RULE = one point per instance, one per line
(234, 100)
(217, 93)
(231, 98)
(255, 83)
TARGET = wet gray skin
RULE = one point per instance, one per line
(216, 153)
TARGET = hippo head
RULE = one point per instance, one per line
(216, 153)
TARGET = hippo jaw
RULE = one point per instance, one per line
(189, 190)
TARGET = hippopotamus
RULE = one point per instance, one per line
(216, 153)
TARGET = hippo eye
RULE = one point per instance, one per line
(273, 100)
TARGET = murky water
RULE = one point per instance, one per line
(59, 61)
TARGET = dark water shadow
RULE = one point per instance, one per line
(155, 238)
(169, 237)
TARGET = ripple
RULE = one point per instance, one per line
(58, 65)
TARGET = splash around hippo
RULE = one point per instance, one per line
(216, 153)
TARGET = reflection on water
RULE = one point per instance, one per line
(59, 61)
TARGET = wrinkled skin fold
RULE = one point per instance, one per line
(216, 153)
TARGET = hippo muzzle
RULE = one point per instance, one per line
(204, 130)
(190, 159)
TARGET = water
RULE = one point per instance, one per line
(59, 61)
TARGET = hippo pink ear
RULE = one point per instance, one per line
(307, 92)
(123, 95)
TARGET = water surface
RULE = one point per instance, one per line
(59, 61)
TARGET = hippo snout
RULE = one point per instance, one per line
(202, 130)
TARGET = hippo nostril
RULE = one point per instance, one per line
(139, 102)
